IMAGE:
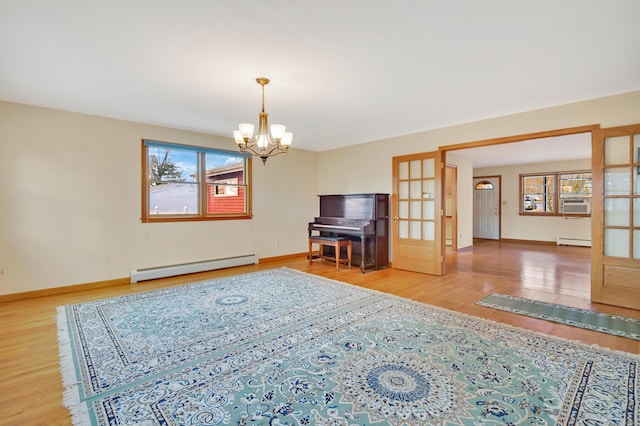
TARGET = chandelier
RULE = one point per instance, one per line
(269, 141)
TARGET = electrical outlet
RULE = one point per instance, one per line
(107, 259)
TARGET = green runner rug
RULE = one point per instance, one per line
(583, 318)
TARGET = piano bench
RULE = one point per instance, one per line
(336, 243)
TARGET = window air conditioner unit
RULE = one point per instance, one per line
(575, 205)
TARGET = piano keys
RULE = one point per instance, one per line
(364, 219)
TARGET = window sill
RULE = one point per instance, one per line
(192, 218)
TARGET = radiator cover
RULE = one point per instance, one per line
(562, 241)
(137, 275)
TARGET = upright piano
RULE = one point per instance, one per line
(364, 219)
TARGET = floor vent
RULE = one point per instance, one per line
(573, 242)
(138, 275)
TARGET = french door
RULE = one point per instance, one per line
(615, 275)
(416, 203)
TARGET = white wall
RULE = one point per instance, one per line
(71, 194)
(536, 228)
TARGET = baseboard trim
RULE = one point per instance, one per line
(62, 290)
(284, 257)
(515, 240)
(108, 283)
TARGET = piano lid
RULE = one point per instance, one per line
(352, 206)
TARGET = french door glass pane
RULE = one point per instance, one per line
(403, 228)
(403, 209)
(636, 212)
(414, 210)
(403, 189)
(403, 170)
(616, 150)
(428, 188)
(429, 211)
(616, 242)
(416, 189)
(636, 244)
(428, 231)
(414, 172)
(414, 229)
(428, 168)
(616, 181)
(616, 212)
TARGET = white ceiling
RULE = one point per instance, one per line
(342, 72)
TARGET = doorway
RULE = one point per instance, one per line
(486, 207)
(451, 209)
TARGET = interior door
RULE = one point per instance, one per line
(417, 213)
(615, 217)
(451, 208)
(486, 207)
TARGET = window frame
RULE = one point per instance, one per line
(556, 195)
(202, 184)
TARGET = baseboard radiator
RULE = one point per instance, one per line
(138, 275)
(562, 241)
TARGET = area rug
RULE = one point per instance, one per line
(583, 318)
(281, 347)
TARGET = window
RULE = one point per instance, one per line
(539, 193)
(552, 193)
(484, 185)
(575, 185)
(182, 183)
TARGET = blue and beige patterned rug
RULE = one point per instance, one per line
(569, 315)
(282, 347)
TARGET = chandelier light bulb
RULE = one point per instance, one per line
(277, 130)
(237, 135)
(246, 130)
(287, 137)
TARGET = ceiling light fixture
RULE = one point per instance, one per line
(268, 141)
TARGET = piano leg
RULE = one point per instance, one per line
(363, 249)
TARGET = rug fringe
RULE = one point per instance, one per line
(70, 382)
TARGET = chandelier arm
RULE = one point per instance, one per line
(277, 149)
(250, 150)
(274, 151)
(263, 154)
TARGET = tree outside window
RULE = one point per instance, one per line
(575, 185)
(539, 193)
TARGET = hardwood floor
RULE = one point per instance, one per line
(30, 385)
